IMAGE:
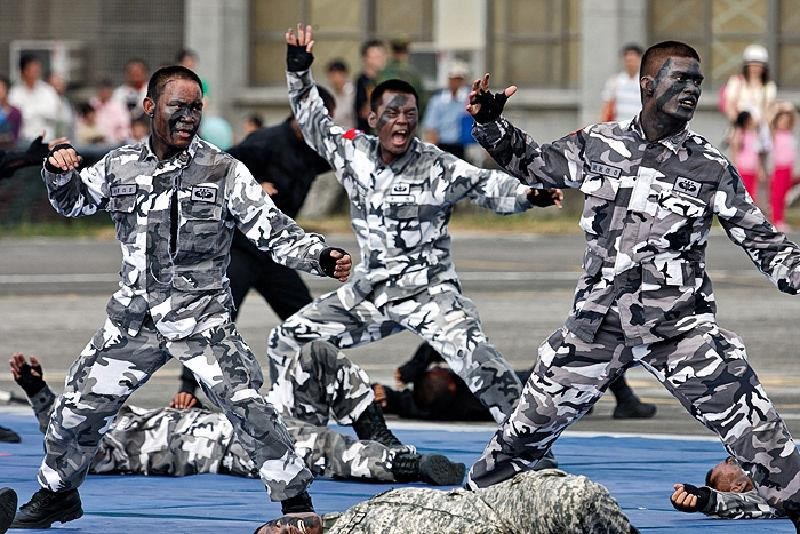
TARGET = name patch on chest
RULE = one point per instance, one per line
(401, 189)
(204, 193)
(605, 170)
(123, 190)
(687, 186)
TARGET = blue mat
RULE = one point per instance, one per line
(639, 472)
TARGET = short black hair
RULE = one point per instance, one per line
(655, 55)
(393, 85)
(337, 65)
(183, 53)
(632, 47)
(372, 43)
(27, 59)
(256, 119)
(327, 98)
(161, 76)
(709, 474)
(741, 119)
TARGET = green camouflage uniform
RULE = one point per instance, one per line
(174, 220)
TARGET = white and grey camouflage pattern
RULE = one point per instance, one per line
(746, 505)
(645, 296)
(405, 279)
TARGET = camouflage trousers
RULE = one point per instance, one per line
(115, 364)
(705, 369)
(441, 315)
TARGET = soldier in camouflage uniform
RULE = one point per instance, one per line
(172, 442)
(651, 189)
(536, 502)
(402, 192)
(175, 201)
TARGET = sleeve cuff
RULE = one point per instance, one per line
(56, 179)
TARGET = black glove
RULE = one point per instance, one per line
(326, 261)
(541, 198)
(50, 168)
(36, 152)
(491, 106)
(703, 495)
(31, 384)
(297, 59)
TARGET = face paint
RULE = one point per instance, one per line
(396, 124)
(176, 117)
(675, 93)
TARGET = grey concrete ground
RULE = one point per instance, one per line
(53, 292)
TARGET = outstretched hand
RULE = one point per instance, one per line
(543, 198)
(485, 106)
(689, 498)
(28, 376)
(183, 401)
(298, 48)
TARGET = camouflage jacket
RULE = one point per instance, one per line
(176, 272)
(748, 505)
(399, 211)
(533, 502)
(647, 214)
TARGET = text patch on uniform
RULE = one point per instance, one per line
(605, 170)
(204, 193)
(685, 185)
(123, 189)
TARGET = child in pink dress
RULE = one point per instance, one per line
(745, 147)
(784, 148)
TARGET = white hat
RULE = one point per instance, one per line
(755, 53)
(458, 69)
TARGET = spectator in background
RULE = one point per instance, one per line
(784, 154)
(140, 129)
(445, 114)
(343, 92)
(65, 117)
(373, 59)
(252, 123)
(113, 119)
(189, 59)
(400, 68)
(745, 148)
(622, 99)
(131, 93)
(87, 131)
(10, 118)
(37, 101)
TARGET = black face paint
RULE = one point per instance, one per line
(396, 124)
(176, 117)
(185, 115)
(673, 99)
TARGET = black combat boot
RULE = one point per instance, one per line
(9, 436)
(46, 507)
(8, 505)
(633, 408)
(548, 461)
(792, 511)
(371, 425)
(433, 469)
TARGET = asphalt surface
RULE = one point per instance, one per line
(53, 294)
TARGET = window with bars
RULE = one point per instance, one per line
(341, 26)
(721, 29)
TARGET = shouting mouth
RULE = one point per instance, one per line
(400, 137)
(688, 102)
(184, 131)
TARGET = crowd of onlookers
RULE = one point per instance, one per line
(760, 140)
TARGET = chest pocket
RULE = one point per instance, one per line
(675, 202)
(122, 207)
(201, 218)
(598, 206)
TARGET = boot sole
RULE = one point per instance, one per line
(437, 470)
(58, 516)
(8, 507)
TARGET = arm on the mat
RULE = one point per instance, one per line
(71, 192)
(556, 165)
(770, 250)
(748, 505)
(30, 378)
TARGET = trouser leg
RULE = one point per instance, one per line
(243, 272)
(331, 454)
(449, 322)
(707, 371)
(230, 377)
(111, 367)
(328, 382)
(566, 381)
(283, 289)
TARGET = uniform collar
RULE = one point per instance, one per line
(400, 163)
(673, 142)
(182, 158)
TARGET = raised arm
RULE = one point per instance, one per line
(74, 193)
(727, 505)
(30, 378)
(318, 128)
(557, 165)
(276, 233)
(770, 250)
